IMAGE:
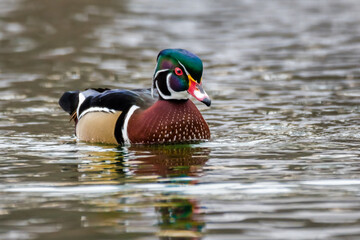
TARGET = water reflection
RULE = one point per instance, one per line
(143, 163)
(178, 217)
(102, 167)
(170, 160)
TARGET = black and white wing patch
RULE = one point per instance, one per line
(101, 106)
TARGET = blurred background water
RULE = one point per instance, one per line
(283, 161)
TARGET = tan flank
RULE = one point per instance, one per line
(97, 127)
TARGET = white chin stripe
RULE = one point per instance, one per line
(96, 109)
(174, 95)
(183, 95)
(155, 76)
(126, 122)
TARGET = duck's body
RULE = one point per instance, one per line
(166, 122)
(135, 116)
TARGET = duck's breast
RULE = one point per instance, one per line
(168, 122)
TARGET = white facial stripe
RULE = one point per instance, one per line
(162, 70)
(159, 91)
(183, 95)
(175, 95)
(126, 122)
(186, 71)
(155, 76)
(96, 109)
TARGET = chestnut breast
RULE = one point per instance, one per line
(168, 122)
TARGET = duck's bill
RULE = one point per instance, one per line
(196, 90)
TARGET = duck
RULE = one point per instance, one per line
(162, 114)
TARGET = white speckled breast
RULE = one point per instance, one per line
(168, 122)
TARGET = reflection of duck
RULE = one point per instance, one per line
(140, 162)
(124, 116)
(170, 160)
(103, 166)
(180, 218)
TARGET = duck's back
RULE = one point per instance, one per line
(100, 114)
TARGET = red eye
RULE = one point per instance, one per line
(178, 71)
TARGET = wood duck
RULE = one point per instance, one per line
(160, 114)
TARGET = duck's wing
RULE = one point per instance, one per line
(101, 115)
(78, 103)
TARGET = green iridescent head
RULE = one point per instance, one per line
(178, 73)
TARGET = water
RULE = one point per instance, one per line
(283, 161)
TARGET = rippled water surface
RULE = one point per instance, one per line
(283, 161)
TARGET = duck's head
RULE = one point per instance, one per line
(178, 73)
